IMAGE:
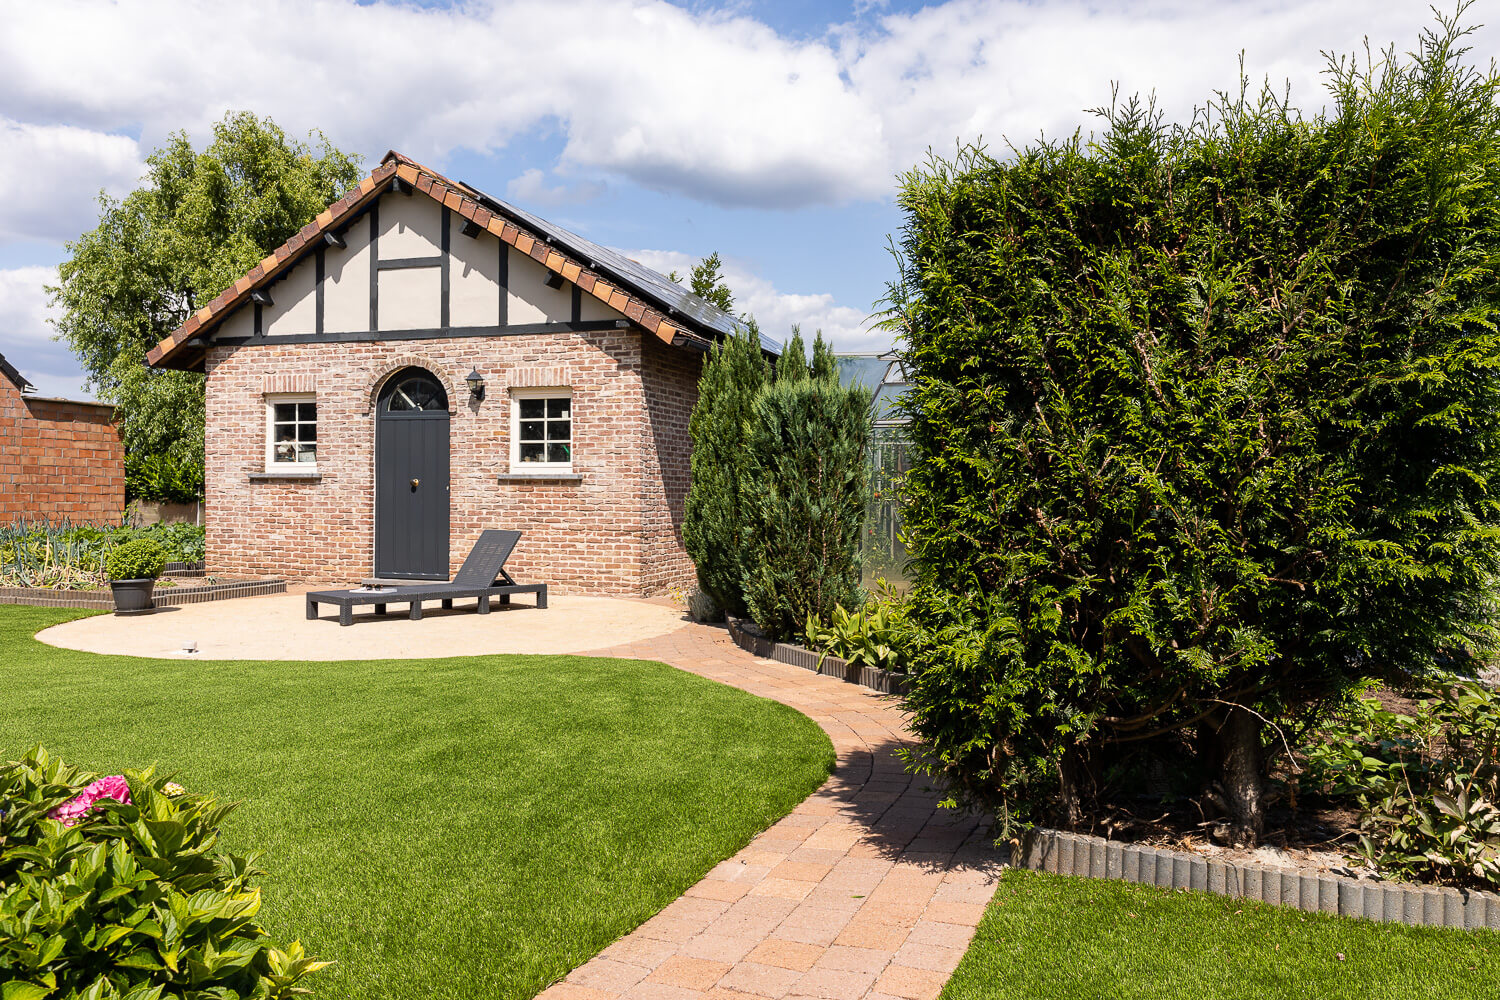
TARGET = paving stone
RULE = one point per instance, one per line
(693, 973)
(785, 954)
(911, 984)
(765, 980)
(835, 984)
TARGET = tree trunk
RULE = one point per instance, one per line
(1069, 793)
(1240, 774)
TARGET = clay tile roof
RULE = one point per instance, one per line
(651, 300)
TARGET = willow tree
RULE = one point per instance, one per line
(198, 221)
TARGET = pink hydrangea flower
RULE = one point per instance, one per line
(80, 805)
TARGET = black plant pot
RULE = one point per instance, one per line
(133, 596)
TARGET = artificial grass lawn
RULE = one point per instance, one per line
(468, 827)
(1049, 936)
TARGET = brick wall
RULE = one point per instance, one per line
(58, 459)
(585, 537)
(671, 390)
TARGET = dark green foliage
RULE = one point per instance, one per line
(792, 365)
(197, 223)
(706, 282)
(824, 364)
(1203, 417)
(712, 523)
(804, 502)
(132, 900)
(162, 476)
(141, 559)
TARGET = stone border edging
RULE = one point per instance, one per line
(39, 597)
(1419, 905)
(747, 637)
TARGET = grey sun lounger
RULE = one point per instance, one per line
(482, 575)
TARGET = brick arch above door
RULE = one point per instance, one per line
(390, 366)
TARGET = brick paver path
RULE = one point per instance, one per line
(866, 890)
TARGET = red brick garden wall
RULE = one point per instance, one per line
(58, 459)
(614, 532)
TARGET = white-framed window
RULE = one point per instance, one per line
(291, 432)
(541, 430)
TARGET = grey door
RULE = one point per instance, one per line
(411, 478)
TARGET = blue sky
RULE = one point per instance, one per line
(771, 131)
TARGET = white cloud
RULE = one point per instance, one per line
(708, 103)
(846, 328)
(26, 338)
(52, 175)
(531, 188)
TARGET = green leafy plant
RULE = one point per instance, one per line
(141, 559)
(130, 899)
(163, 477)
(1427, 784)
(1203, 427)
(875, 635)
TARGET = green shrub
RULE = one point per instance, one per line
(163, 477)
(132, 900)
(137, 560)
(1203, 422)
(875, 635)
(713, 522)
(804, 501)
(1427, 784)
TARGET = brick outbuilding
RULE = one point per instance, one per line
(60, 459)
(422, 362)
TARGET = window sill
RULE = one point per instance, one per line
(311, 476)
(541, 477)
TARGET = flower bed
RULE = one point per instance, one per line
(61, 555)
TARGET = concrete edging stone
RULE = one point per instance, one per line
(39, 597)
(748, 638)
(1316, 892)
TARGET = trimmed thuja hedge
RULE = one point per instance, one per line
(1204, 431)
(779, 483)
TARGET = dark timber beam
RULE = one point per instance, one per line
(398, 263)
(432, 333)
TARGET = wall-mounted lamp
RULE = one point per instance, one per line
(476, 383)
(554, 280)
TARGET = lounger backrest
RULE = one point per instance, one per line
(487, 558)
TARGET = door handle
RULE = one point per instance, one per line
(415, 483)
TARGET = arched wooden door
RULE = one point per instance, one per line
(411, 477)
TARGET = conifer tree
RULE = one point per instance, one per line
(824, 364)
(805, 501)
(712, 526)
(792, 365)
